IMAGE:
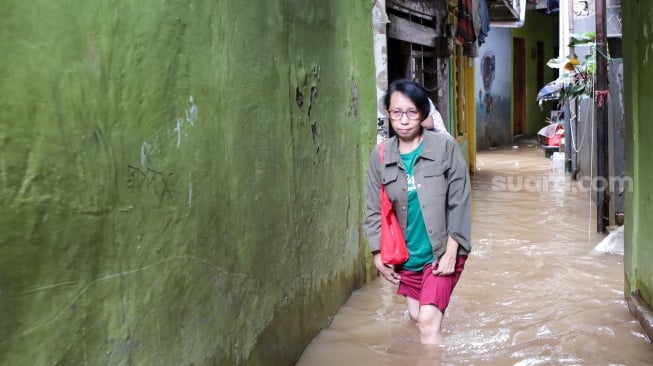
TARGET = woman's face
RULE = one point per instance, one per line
(407, 126)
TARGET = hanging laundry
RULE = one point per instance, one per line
(485, 22)
(476, 16)
(465, 30)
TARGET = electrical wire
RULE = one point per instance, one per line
(578, 118)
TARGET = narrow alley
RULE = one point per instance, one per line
(534, 291)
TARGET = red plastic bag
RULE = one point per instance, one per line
(393, 243)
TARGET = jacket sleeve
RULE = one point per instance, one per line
(372, 222)
(459, 210)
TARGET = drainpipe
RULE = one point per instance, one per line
(565, 30)
(379, 23)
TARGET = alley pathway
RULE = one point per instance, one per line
(533, 292)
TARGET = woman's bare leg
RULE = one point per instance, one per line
(429, 322)
(413, 308)
(428, 319)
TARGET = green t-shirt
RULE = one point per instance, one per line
(417, 239)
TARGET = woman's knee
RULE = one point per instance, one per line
(429, 317)
(414, 315)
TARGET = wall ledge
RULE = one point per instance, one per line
(641, 310)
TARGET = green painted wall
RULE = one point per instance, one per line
(180, 181)
(538, 27)
(638, 78)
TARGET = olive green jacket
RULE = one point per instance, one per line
(443, 189)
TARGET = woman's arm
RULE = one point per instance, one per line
(459, 201)
(372, 223)
(373, 216)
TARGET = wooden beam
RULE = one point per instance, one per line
(407, 31)
(421, 7)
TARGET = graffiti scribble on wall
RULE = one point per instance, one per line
(150, 179)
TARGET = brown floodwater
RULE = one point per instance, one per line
(533, 292)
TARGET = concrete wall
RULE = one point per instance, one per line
(538, 28)
(638, 78)
(494, 120)
(180, 181)
(493, 90)
(584, 128)
(616, 135)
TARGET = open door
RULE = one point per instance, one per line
(519, 86)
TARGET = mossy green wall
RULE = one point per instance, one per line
(638, 93)
(537, 28)
(180, 181)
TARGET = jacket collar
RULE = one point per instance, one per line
(391, 148)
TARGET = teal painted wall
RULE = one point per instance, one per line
(638, 78)
(538, 27)
(180, 181)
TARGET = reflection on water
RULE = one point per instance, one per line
(531, 294)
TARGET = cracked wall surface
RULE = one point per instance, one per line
(166, 199)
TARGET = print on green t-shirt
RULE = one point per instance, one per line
(417, 239)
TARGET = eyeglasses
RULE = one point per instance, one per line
(397, 114)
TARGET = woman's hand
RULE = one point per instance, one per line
(446, 265)
(387, 271)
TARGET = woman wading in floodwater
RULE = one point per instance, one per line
(426, 178)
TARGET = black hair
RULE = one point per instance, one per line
(413, 91)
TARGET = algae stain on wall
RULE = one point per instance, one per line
(638, 251)
(165, 199)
